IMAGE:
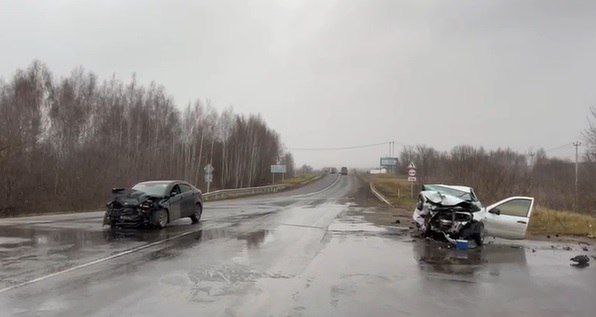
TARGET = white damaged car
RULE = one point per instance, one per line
(454, 213)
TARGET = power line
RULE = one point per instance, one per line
(341, 147)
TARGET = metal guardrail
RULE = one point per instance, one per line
(379, 195)
(247, 191)
(239, 192)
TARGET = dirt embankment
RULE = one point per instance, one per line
(383, 214)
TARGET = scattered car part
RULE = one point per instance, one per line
(580, 261)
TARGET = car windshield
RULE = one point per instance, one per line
(153, 188)
(451, 191)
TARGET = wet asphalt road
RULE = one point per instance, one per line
(314, 251)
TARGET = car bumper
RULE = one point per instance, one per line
(128, 218)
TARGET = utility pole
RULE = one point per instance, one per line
(576, 144)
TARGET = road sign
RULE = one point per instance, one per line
(208, 175)
(412, 172)
(411, 166)
(412, 179)
(278, 169)
(389, 161)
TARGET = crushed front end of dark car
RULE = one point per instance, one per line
(131, 208)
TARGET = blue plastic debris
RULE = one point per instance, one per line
(461, 244)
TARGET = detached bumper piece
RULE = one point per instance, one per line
(126, 217)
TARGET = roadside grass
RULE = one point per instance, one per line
(300, 179)
(544, 221)
(396, 190)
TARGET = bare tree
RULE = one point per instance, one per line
(65, 143)
(589, 135)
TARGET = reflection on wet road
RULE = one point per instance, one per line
(298, 253)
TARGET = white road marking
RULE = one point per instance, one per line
(320, 191)
(139, 248)
(97, 261)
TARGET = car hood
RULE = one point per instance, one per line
(131, 197)
(447, 200)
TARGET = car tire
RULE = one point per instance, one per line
(196, 217)
(473, 231)
(478, 236)
(160, 218)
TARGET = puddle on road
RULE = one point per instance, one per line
(438, 257)
(358, 224)
(256, 238)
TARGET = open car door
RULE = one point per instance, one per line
(509, 218)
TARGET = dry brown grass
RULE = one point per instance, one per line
(396, 190)
(547, 221)
(300, 179)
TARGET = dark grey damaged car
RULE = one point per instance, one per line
(154, 203)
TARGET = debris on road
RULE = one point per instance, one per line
(580, 261)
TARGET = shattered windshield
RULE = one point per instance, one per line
(450, 191)
(152, 189)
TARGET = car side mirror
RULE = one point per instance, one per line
(495, 211)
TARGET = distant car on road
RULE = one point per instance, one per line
(454, 212)
(154, 203)
(344, 171)
(333, 170)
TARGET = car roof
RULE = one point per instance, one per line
(456, 187)
(160, 182)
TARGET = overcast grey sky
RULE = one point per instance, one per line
(339, 73)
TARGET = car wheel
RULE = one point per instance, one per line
(479, 234)
(473, 231)
(160, 218)
(196, 217)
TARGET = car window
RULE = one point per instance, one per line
(515, 207)
(153, 188)
(185, 188)
(175, 190)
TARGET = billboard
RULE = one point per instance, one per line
(389, 161)
(278, 169)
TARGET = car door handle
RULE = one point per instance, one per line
(522, 222)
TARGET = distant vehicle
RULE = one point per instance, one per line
(454, 212)
(154, 203)
(344, 171)
(333, 170)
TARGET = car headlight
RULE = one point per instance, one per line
(145, 206)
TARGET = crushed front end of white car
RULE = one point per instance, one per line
(448, 212)
(454, 213)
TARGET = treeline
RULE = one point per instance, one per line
(65, 143)
(498, 174)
